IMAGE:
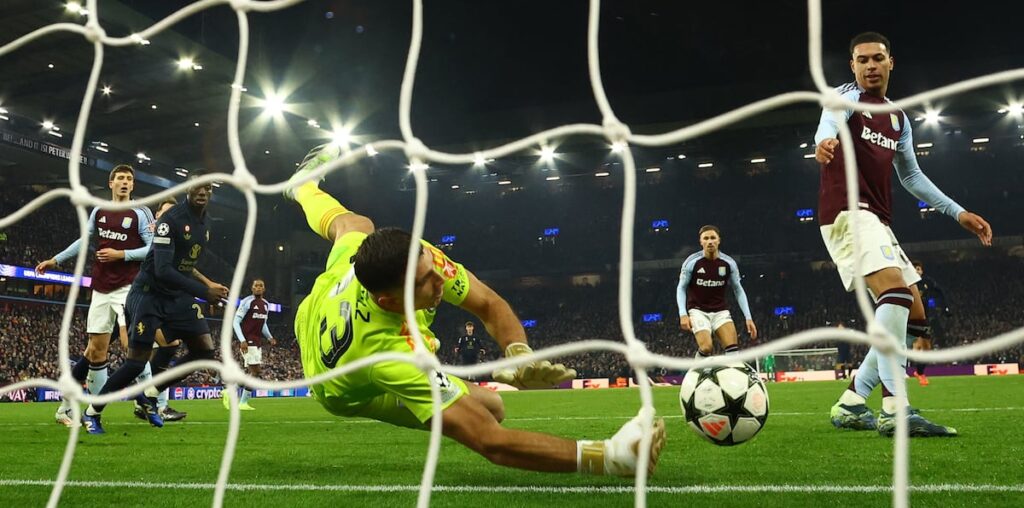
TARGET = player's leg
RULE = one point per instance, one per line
(700, 323)
(725, 331)
(919, 333)
(253, 362)
(324, 214)
(92, 368)
(163, 354)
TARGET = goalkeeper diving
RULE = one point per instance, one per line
(355, 309)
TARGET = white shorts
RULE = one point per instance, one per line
(879, 248)
(106, 310)
(709, 321)
(253, 356)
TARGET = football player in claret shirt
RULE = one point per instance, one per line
(356, 309)
(122, 242)
(881, 142)
(250, 330)
(700, 296)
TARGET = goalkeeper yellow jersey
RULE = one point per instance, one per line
(339, 322)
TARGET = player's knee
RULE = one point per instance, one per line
(705, 349)
(95, 354)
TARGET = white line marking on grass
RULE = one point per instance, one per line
(358, 421)
(693, 489)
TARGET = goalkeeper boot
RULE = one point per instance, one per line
(854, 417)
(919, 426)
(618, 456)
(316, 157)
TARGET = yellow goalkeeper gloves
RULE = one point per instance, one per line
(540, 374)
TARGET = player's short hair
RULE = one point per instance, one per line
(167, 201)
(121, 168)
(867, 37)
(380, 260)
(709, 227)
(917, 264)
(258, 279)
(470, 323)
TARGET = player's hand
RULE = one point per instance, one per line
(684, 323)
(975, 224)
(826, 150)
(540, 374)
(273, 342)
(42, 267)
(243, 347)
(107, 255)
(751, 329)
(216, 292)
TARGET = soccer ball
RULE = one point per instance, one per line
(724, 405)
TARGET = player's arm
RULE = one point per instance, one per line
(826, 138)
(163, 263)
(243, 308)
(918, 184)
(685, 273)
(741, 295)
(71, 250)
(267, 335)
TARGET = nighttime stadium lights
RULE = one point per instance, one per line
(808, 155)
(141, 156)
(371, 151)
(47, 124)
(3, 114)
(266, 152)
(273, 104)
(652, 170)
(152, 106)
(680, 156)
(601, 174)
(139, 40)
(107, 90)
(49, 66)
(455, 187)
(1016, 109)
(758, 160)
(341, 137)
(188, 64)
(931, 117)
(313, 123)
(420, 165)
(547, 153)
(478, 160)
(979, 141)
(803, 145)
(553, 178)
(195, 124)
(504, 182)
(705, 164)
(76, 8)
(618, 147)
(925, 145)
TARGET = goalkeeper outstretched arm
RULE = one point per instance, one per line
(502, 323)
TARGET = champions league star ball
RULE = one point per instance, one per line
(724, 405)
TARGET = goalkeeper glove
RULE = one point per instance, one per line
(540, 374)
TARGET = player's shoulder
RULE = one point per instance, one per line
(849, 91)
(693, 258)
(727, 258)
(175, 213)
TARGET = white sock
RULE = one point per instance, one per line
(96, 379)
(245, 396)
(147, 374)
(889, 405)
(851, 398)
(161, 400)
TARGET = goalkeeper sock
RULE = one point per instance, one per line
(320, 208)
(732, 350)
(618, 456)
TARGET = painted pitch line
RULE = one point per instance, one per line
(518, 489)
(353, 421)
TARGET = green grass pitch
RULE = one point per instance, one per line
(292, 453)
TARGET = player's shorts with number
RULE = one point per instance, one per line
(178, 317)
(253, 355)
(708, 321)
(879, 248)
(339, 323)
(105, 309)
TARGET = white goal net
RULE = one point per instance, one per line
(611, 129)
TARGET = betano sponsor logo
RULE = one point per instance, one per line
(113, 235)
(710, 283)
(878, 139)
